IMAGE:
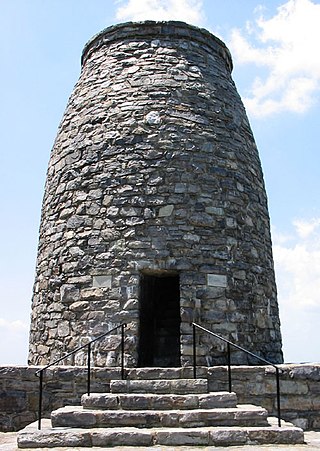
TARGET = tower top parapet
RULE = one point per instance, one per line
(157, 29)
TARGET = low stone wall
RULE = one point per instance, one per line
(300, 390)
(299, 386)
(62, 385)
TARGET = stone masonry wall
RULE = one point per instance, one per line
(154, 170)
(300, 390)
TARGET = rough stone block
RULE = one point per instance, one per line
(13, 401)
(214, 400)
(296, 403)
(220, 437)
(310, 372)
(52, 439)
(73, 417)
(165, 211)
(182, 438)
(293, 388)
(120, 418)
(99, 401)
(69, 294)
(182, 386)
(135, 402)
(123, 437)
(276, 435)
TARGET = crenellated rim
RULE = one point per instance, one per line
(157, 29)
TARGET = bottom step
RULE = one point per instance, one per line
(48, 437)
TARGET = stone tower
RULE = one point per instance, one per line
(155, 212)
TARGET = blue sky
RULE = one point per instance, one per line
(277, 72)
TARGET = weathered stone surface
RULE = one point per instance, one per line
(213, 399)
(130, 436)
(74, 417)
(287, 435)
(154, 168)
(310, 372)
(69, 293)
(98, 400)
(158, 402)
(179, 438)
(195, 426)
(125, 437)
(85, 418)
(142, 410)
(227, 437)
(160, 386)
(69, 383)
(51, 439)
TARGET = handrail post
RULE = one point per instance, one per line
(41, 371)
(40, 399)
(122, 351)
(229, 343)
(278, 397)
(229, 367)
(194, 352)
(89, 368)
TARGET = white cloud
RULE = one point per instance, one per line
(287, 46)
(185, 10)
(297, 263)
(13, 326)
(14, 342)
(306, 228)
(280, 238)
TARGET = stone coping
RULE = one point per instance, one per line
(154, 30)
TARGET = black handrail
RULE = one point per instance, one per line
(41, 371)
(229, 344)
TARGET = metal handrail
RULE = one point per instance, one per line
(229, 344)
(42, 370)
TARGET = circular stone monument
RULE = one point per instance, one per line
(155, 211)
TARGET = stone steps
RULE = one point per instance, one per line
(171, 412)
(139, 401)
(160, 386)
(160, 373)
(247, 415)
(48, 437)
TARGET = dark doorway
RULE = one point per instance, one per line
(159, 337)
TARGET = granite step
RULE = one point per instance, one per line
(141, 401)
(160, 386)
(48, 437)
(144, 412)
(185, 372)
(77, 416)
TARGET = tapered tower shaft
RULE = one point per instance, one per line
(155, 211)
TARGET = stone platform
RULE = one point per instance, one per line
(8, 442)
(299, 385)
(164, 412)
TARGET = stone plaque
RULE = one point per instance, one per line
(216, 280)
(102, 281)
